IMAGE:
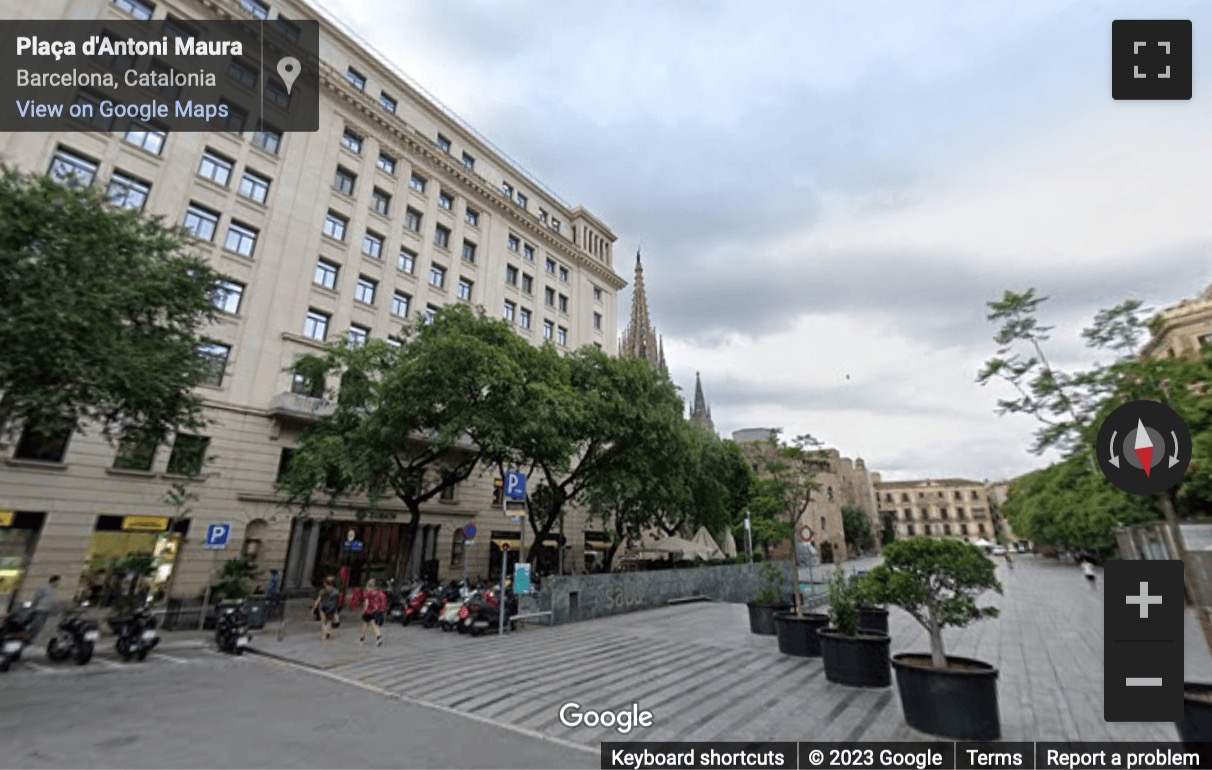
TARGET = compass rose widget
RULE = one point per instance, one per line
(1144, 448)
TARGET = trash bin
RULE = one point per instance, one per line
(258, 612)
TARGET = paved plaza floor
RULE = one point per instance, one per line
(704, 676)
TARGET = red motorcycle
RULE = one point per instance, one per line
(415, 603)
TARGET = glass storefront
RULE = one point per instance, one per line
(19, 532)
(130, 558)
(377, 552)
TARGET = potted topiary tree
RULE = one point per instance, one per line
(852, 655)
(873, 616)
(937, 582)
(768, 601)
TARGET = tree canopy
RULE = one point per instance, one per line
(101, 310)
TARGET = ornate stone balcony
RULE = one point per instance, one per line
(295, 406)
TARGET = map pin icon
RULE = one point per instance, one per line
(289, 68)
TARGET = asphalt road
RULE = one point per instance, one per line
(198, 709)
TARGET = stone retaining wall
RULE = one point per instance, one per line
(582, 597)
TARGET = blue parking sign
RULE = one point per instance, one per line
(515, 485)
(217, 535)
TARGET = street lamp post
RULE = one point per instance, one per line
(748, 538)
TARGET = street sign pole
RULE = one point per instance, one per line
(501, 593)
(748, 539)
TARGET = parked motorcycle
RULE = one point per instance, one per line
(136, 630)
(75, 637)
(415, 602)
(431, 613)
(15, 634)
(395, 602)
(448, 618)
(482, 612)
(231, 629)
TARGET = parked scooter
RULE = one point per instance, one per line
(484, 612)
(416, 601)
(395, 603)
(76, 637)
(231, 629)
(15, 634)
(448, 618)
(136, 630)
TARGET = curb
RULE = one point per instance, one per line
(283, 658)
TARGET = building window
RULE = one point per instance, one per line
(215, 357)
(543, 216)
(441, 237)
(315, 326)
(286, 28)
(511, 310)
(528, 253)
(358, 335)
(457, 545)
(227, 295)
(395, 342)
(465, 289)
(527, 283)
(334, 226)
(407, 261)
(511, 275)
(90, 113)
(909, 530)
(430, 313)
(326, 274)
(976, 495)
(188, 455)
(472, 217)
(443, 144)
(241, 239)
(959, 513)
(215, 167)
(469, 251)
(386, 163)
(551, 266)
(469, 162)
(145, 137)
(412, 220)
(138, 8)
(254, 187)
(597, 321)
(549, 297)
(380, 201)
(127, 192)
(351, 141)
(242, 72)
(563, 275)
(437, 277)
(284, 459)
(417, 183)
(562, 336)
(356, 79)
(255, 8)
(136, 452)
(522, 200)
(446, 200)
(344, 181)
(268, 139)
(524, 318)
(276, 95)
(201, 223)
(372, 245)
(563, 304)
(43, 446)
(236, 118)
(555, 224)
(365, 290)
(399, 304)
(507, 190)
(513, 243)
(548, 330)
(387, 103)
(597, 297)
(72, 170)
(302, 385)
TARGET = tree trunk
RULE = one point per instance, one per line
(1189, 576)
(608, 562)
(938, 656)
(410, 532)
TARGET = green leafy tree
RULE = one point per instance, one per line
(844, 603)
(935, 580)
(235, 580)
(411, 421)
(101, 310)
(857, 527)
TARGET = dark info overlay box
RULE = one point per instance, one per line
(699, 756)
(173, 75)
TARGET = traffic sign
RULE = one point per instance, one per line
(353, 545)
(217, 535)
(806, 533)
(504, 546)
(515, 485)
(469, 531)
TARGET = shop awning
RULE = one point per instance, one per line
(596, 545)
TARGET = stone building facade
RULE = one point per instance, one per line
(1182, 330)
(392, 209)
(958, 508)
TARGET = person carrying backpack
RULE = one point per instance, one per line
(328, 604)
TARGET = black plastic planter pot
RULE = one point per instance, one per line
(797, 633)
(761, 617)
(958, 702)
(873, 619)
(857, 661)
(1196, 726)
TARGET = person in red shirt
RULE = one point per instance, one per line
(374, 607)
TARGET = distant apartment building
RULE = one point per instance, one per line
(393, 209)
(958, 508)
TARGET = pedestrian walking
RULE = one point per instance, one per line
(1009, 559)
(328, 605)
(1088, 571)
(374, 609)
(43, 604)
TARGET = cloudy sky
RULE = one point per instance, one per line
(827, 192)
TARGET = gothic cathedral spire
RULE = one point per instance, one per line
(640, 339)
(700, 413)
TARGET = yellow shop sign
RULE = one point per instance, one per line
(145, 523)
(6, 518)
